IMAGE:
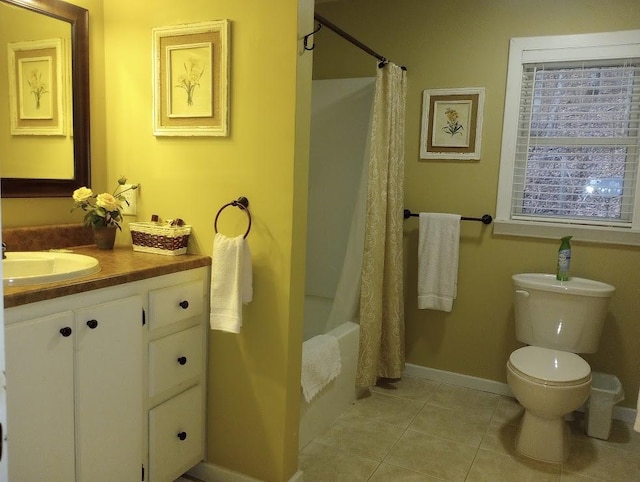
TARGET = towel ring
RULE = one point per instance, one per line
(242, 203)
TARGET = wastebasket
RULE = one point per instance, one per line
(606, 391)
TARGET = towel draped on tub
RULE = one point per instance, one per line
(636, 425)
(321, 363)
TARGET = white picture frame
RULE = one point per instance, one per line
(37, 87)
(191, 79)
(452, 123)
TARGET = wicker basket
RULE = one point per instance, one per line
(159, 239)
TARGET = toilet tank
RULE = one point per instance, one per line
(562, 315)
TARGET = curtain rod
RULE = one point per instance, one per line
(331, 26)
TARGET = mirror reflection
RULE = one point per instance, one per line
(44, 131)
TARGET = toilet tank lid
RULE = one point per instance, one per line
(550, 365)
(576, 286)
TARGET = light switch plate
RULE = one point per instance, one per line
(131, 196)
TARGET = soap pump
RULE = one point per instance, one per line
(564, 259)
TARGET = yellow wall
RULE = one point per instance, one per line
(464, 43)
(253, 385)
(254, 377)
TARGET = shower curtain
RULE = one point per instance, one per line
(382, 352)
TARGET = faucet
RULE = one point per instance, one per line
(4, 250)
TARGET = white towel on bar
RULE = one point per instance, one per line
(320, 364)
(438, 247)
(231, 282)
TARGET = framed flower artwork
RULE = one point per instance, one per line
(37, 87)
(452, 123)
(191, 79)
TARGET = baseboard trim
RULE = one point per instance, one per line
(619, 413)
(213, 473)
(458, 379)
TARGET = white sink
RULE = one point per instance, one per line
(33, 267)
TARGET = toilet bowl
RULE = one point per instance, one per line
(549, 384)
(556, 319)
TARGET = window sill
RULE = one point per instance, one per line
(590, 234)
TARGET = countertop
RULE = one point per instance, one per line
(118, 266)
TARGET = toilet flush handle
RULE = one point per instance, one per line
(524, 293)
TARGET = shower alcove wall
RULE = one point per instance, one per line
(340, 127)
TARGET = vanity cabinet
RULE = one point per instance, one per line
(109, 384)
(73, 398)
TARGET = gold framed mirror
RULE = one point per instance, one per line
(76, 90)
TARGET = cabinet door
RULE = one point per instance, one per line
(39, 359)
(109, 407)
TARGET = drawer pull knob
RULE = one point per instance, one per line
(182, 435)
(184, 304)
(92, 324)
(182, 360)
(66, 331)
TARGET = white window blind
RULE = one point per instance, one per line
(577, 142)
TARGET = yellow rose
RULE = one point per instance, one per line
(108, 202)
(82, 194)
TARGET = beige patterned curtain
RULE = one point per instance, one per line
(381, 299)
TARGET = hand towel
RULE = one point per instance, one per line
(231, 282)
(320, 364)
(636, 426)
(438, 246)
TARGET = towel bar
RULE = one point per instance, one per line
(485, 219)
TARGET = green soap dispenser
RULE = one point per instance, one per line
(564, 259)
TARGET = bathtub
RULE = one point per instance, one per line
(325, 407)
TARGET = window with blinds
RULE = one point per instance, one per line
(577, 143)
(570, 156)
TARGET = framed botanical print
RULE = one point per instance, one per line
(37, 87)
(452, 123)
(190, 79)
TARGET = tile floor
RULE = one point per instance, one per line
(422, 430)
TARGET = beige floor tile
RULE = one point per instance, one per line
(500, 437)
(442, 421)
(412, 388)
(508, 410)
(432, 456)
(599, 460)
(385, 408)
(493, 467)
(460, 398)
(464, 427)
(320, 463)
(390, 473)
(577, 478)
(361, 436)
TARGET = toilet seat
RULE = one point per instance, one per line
(550, 367)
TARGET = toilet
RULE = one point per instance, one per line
(556, 319)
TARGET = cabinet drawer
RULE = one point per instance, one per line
(175, 303)
(175, 358)
(175, 435)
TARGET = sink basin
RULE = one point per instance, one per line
(33, 267)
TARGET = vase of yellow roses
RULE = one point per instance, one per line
(103, 211)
